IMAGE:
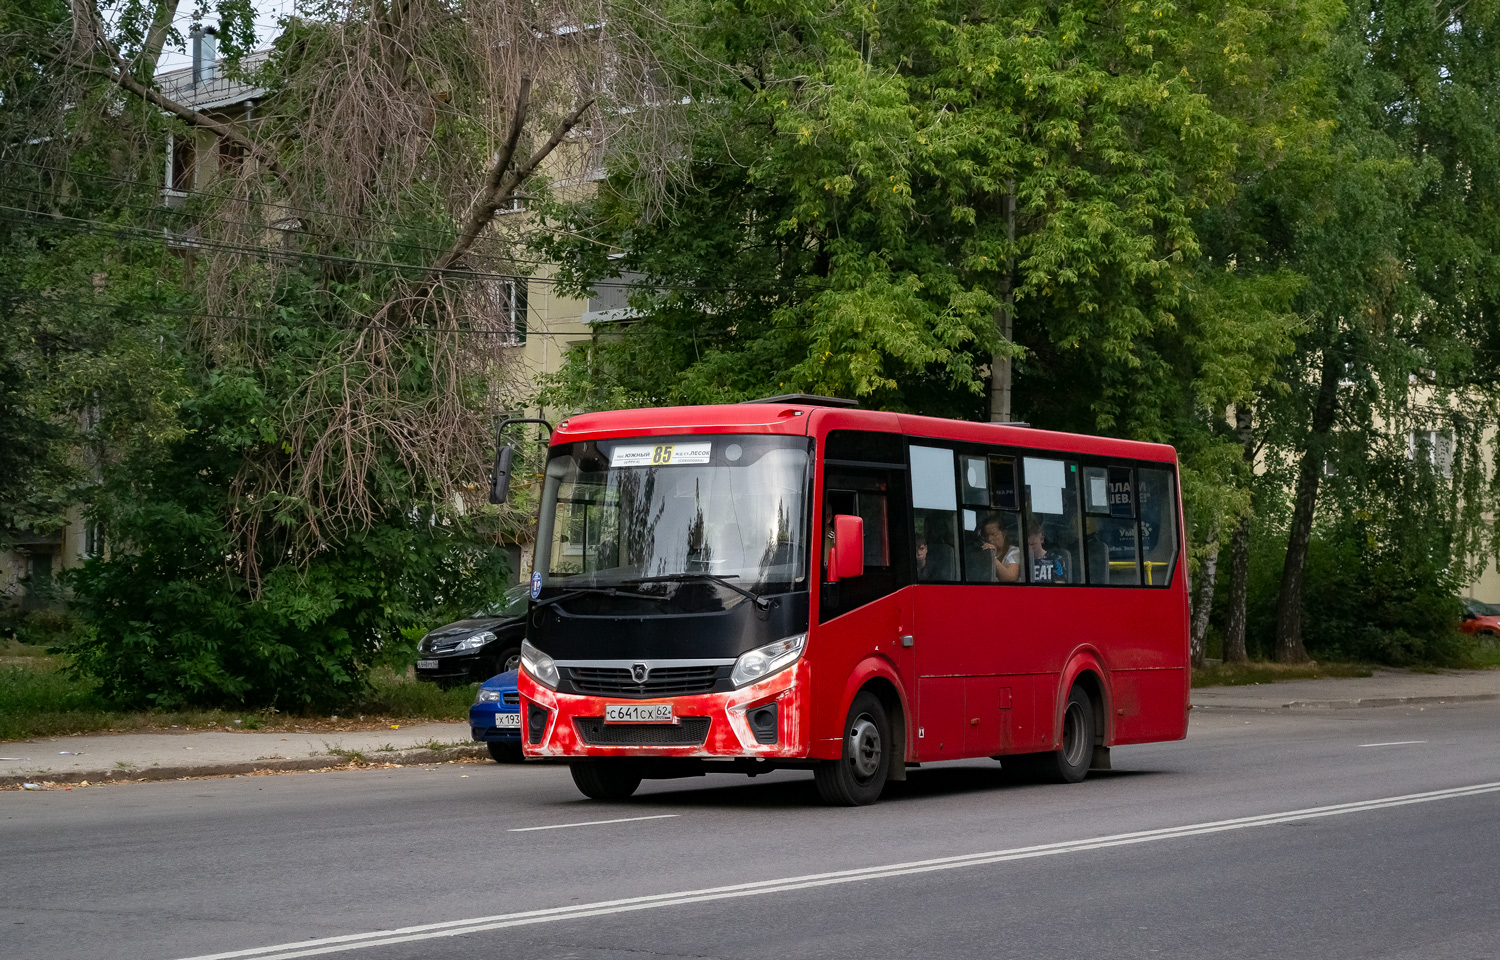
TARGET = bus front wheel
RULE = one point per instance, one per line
(858, 777)
(605, 779)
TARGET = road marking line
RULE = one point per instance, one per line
(451, 928)
(594, 823)
(1392, 743)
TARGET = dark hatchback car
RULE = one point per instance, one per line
(476, 648)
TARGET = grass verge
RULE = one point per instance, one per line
(39, 699)
(1259, 671)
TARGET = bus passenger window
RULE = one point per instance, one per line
(1053, 539)
(935, 502)
(1109, 526)
(1158, 526)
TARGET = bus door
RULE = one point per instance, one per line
(870, 612)
(966, 706)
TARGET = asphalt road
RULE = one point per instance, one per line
(1263, 835)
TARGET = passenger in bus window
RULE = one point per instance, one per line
(921, 556)
(1004, 556)
(1046, 566)
(934, 527)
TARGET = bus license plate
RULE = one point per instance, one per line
(508, 720)
(638, 713)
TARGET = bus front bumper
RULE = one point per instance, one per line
(739, 723)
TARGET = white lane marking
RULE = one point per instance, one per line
(594, 823)
(1392, 743)
(452, 928)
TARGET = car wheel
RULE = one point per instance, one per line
(857, 778)
(1069, 764)
(504, 752)
(605, 779)
(507, 660)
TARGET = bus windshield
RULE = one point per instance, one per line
(724, 506)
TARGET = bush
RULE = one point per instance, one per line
(1372, 593)
(175, 619)
(172, 627)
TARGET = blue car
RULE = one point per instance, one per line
(495, 717)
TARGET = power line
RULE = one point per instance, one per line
(85, 224)
(280, 206)
(268, 321)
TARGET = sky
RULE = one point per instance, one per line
(267, 17)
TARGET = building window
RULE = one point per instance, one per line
(180, 177)
(93, 540)
(1433, 446)
(231, 155)
(502, 309)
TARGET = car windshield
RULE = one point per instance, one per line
(728, 506)
(513, 604)
(1479, 608)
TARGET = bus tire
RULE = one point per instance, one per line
(605, 779)
(1070, 764)
(858, 777)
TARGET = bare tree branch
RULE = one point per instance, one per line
(500, 190)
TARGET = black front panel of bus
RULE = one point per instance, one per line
(562, 632)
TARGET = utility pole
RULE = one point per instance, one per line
(1004, 316)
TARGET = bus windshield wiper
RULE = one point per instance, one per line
(607, 591)
(760, 602)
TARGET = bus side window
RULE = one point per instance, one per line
(934, 499)
(1158, 525)
(1109, 526)
(1053, 542)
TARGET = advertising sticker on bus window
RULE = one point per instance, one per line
(660, 454)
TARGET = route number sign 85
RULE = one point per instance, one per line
(660, 454)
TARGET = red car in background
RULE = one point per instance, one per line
(1480, 618)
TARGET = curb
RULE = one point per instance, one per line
(1350, 704)
(1383, 702)
(397, 758)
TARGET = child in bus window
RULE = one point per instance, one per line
(1046, 566)
(1004, 556)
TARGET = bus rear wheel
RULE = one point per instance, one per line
(857, 778)
(1070, 764)
(605, 779)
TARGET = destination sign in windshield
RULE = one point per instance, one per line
(660, 454)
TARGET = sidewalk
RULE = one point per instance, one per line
(1387, 688)
(104, 758)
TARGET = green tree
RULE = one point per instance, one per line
(847, 226)
(1394, 226)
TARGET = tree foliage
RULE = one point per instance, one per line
(277, 393)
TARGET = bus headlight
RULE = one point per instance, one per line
(764, 661)
(543, 669)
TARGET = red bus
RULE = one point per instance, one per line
(795, 582)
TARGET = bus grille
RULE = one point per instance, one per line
(662, 682)
(688, 732)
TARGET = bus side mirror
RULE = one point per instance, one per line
(500, 479)
(848, 548)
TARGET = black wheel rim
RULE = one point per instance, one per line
(864, 748)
